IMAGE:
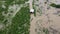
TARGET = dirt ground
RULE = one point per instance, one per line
(49, 19)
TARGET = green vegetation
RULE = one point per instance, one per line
(54, 5)
(34, 8)
(20, 23)
(22, 20)
(8, 2)
(20, 1)
(1, 17)
(37, 0)
(34, 12)
(45, 31)
(40, 11)
(59, 15)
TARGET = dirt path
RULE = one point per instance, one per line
(32, 23)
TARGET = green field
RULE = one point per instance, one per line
(20, 22)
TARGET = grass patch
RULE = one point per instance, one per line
(54, 5)
(1, 17)
(34, 12)
(45, 31)
(20, 1)
(20, 23)
(22, 20)
(34, 9)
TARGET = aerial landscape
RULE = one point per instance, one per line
(29, 16)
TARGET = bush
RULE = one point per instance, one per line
(54, 5)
